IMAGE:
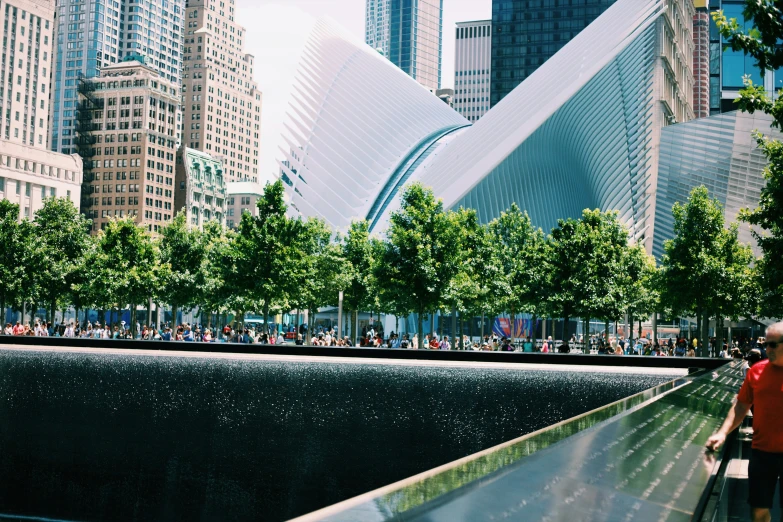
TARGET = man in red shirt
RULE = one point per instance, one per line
(762, 389)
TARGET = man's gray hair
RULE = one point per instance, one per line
(776, 328)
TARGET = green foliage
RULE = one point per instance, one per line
(480, 285)
(16, 256)
(182, 250)
(126, 265)
(763, 44)
(357, 251)
(691, 262)
(524, 259)
(421, 255)
(588, 263)
(768, 217)
(638, 279)
(265, 258)
(324, 270)
(61, 238)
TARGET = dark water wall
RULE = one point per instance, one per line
(140, 438)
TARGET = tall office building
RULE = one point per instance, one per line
(526, 33)
(377, 25)
(222, 103)
(28, 172)
(25, 65)
(472, 68)
(410, 34)
(701, 60)
(92, 34)
(127, 132)
(728, 67)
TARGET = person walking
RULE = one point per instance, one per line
(763, 390)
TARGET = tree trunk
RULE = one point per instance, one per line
(455, 338)
(534, 330)
(440, 323)
(606, 330)
(565, 329)
(461, 344)
(133, 320)
(698, 324)
(630, 328)
(2, 308)
(482, 328)
(513, 321)
(52, 311)
(719, 333)
(705, 335)
(420, 331)
(266, 315)
(585, 335)
(174, 316)
(356, 327)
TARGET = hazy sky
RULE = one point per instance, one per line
(276, 31)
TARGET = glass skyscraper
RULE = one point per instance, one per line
(90, 34)
(410, 34)
(526, 33)
(727, 67)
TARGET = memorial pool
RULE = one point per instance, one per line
(110, 435)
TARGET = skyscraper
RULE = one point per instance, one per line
(222, 103)
(28, 172)
(701, 60)
(410, 34)
(91, 34)
(526, 33)
(127, 126)
(472, 67)
(728, 67)
(25, 64)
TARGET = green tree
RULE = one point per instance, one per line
(14, 255)
(324, 271)
(763, 44)
(638, 280)
(265, 255)
(587, 265)
(213, 296)
(61, 236)
(692, 263)
(182, 249)
(523, 256)
(736, 287)
(357, 250)
(126, 266)
(420, 256)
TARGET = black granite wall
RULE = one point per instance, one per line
(139, 438)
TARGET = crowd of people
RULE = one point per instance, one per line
(258, 334)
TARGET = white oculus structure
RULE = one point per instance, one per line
(581, 132)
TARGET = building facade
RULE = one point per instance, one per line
(200, 187)
(526, 33)
(25, 65)
(242, 197)
(728, 67)
(377, 24)
(127, 135)
(92, 34)
(701, 60)
(720, 153)
(410, 34)
(473, 68)
(356, 127)
(29, 175)
(582, 131)
(222, 103)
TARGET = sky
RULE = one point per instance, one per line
(276, 33)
